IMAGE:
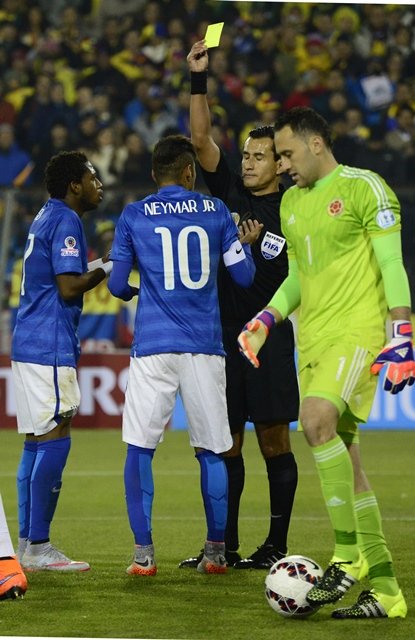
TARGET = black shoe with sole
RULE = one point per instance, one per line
(263, 558)
(332, 586)
(191, 563)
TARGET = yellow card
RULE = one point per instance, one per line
(213, 33)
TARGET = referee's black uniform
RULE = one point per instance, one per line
(268, 394)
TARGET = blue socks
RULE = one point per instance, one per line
(46, 482)
(139, 492)
(214, 487)
(24, 476)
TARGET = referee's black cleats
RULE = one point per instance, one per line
(191, 563)
(263, 558)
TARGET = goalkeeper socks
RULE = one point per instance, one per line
(46, 484)
(139, 492)
(282, 479)
(214, 487)
(372, 544)
(236, 480)
(335, 469)
(24, 476)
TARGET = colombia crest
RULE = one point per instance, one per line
(335, 208)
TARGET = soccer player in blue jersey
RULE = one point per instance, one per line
(45, 350)
(178, 237)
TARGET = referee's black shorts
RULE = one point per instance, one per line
(268, 394)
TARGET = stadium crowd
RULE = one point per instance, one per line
(109, 77)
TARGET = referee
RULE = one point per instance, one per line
(267, 396)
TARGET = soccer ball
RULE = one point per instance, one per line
(287, 584)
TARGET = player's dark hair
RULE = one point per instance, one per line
(304, 121)
(62, 169)
(170, 156)
(264, 131)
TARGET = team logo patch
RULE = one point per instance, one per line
(271, 245)
(335, 208)
(70, 250)
(385, 219)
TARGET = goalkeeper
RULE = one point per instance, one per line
(342, 226)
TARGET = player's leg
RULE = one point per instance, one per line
(46, 399)
(13, 583)
(271, 396)
(202, 388)
(274, 442)
(139, 494)
(213, 485)
(149, 404)
(385, 598)
(328, 387)
(237, 415)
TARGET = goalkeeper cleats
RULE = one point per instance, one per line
(338, 578)
(398, 356)
(371, 604)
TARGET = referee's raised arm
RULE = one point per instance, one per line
(207, 150)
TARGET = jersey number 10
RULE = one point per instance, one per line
(182, 252)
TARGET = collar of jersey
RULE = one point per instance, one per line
(171, 188)
(331, 176)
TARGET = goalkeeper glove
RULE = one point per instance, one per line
(398, 356)
(254, 334)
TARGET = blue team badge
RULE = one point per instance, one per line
(70, 250)
(385, 219)
(271, 245)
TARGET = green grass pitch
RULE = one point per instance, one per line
(91, 524)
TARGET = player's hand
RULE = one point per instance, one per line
(254, 334)
(398, 356)
(197, 58)
(249, 231)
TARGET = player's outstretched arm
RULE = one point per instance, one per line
(207, 150)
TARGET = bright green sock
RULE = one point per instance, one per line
(372, 544)
(336, 478)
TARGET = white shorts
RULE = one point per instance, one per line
(153, 384)
(44, 395)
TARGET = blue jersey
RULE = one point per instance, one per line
(46, 325)
(178, 238)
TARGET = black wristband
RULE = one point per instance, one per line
(198, 82)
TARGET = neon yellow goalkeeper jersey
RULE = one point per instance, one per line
(328, 229)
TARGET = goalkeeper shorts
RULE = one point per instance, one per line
(342, 375)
